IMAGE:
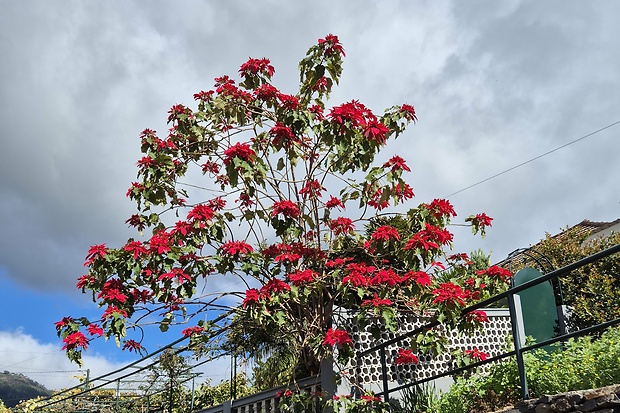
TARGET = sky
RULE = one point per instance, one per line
(508, 96)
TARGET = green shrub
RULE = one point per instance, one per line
(578, 364)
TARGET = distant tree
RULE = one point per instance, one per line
(166, 379)
(287, 185)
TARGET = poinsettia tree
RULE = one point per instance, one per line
(280, 190)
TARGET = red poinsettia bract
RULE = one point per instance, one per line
(336, 336)
(239, 150)
(187, 332)
(475, 354)
(406, 356)
(287, 208)
(235, 248)
(74, 341)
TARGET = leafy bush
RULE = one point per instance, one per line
(577, 364)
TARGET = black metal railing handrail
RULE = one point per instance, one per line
(300, 384)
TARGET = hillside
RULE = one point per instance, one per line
(17, 387)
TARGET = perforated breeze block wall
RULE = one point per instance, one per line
(367, 370)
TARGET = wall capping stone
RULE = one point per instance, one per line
(602, 400)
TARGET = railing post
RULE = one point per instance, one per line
(516, 321)
(328, 380)
(386, 390)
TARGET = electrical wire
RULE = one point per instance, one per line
(535, 158)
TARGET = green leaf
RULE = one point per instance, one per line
(280, 164)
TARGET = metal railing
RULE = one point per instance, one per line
(519, 349)
(266, 401)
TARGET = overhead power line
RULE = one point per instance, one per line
(533, 159)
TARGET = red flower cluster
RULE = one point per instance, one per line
(334, 203)
(431, 237)
(242, 151)
(477, 316)
(476, 354)
(337, 336)
(409, 112)
(226, 86)
(266, 92)
(74, 341)
(449, 293)
(396, 163)
(386, 233)
(112, 291)
(386, 276)
(370, 398)
(377, 302)
(419, 277)
(496, 272)
(274, 286)
(192, 330)
(111, 310)
(204, 96)
(376, 131)
(84, 280)
(284, 252)
(137, 248)
(341, 225)
(175, 273)
(255, 66)
(177, 110)
(94, 330)
(132, 345)
(311, 189)
(288, 102)
(235, 248)
(332, 44)
(95, 252)
(359, 274)
(287, 393)
(440, 208)
(406, 356)
(160, 242)
(352, 113)
(252, 296)
(286, 208)
(282, 135)
(376, 202)
(483, 220)
(183, 228)
(303, 277)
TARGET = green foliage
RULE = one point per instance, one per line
(207, 395)
(579, 364)
(417, 399)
